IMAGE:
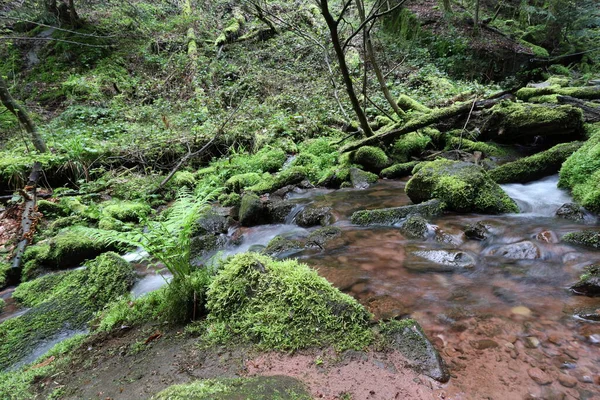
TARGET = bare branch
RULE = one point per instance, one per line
(52, 39)
(57, 28)
(344, 9)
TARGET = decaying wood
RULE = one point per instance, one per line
(29, 215)
(423, 121)
(591, 111)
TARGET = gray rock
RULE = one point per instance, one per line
(444, 260)
(279, 210)
(322, 236)
(476, 231)
(212, 223)
(408, 338)
(361, 179)
(280, 246)
(589, 283)
(583, 238)
(394, 215)
(415, 227)
(571, 211)
(518, 251)
(311, 216)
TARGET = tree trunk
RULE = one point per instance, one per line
(339, 52)
(51, 7)
(21, 114)
(447, 7)
(374, 64)
(476, 18)
(73, 14)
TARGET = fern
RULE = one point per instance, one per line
(168, 238)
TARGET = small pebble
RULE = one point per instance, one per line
(540, 377)
(521, 310)
(567, 380)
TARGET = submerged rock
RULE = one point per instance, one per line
(525, 250)
(476, 231)
(279, 246)
(408, 338)
(311, 216)
(445, 260)
(415, 227)
(571, 211)
(394, 215)
(322, 236)
(583, 238)
(589, 282)
(462, 186)
(361, 179)
(279, 210)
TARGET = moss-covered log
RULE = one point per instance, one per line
(585, 92)
(534, 167)
(508, 121)
(591, 111)
(233, 29)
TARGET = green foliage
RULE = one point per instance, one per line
(126, 211)
(371, 158)
(281, 305)
(397, 171)
(4, 268)
(2, 304)
(411, 144)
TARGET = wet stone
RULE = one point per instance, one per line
(477, 231)
(483, 344)
(445, 260)
(540, 377)
(532, 342)
(547, 237)
(518, 251)
(571, 211)
(521, 310)
(567, 381)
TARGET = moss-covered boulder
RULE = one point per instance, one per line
(281, 246)
(395, 215)
(583, 238)
(371, 158)
(362, 179)
(126, 211)
(463, 187)
(415, 227)
(409, 145)
(256, 388)
(238, 183)
(572, 212)
(282, 305)
(398, 171)
(509, 121)
(65, 250)
(581, 172)
(534, 167)
(252, 211)
(63, 301)
(52, 209)
(320, 237)
(279, 210)
(4, 269)
(408, 338)
(589, 282)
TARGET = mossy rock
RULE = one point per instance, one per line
(238, 183)
(488, 149)
(230, 199)
(312, 216)
(395, 215)
(362, 179)
(415, 227)
(66, 302)
(334, 177)
(581, 171)
(279, 210)
(4, 270)
(371, 158)
(534, 167)
(409, 145)
(398, 171)
(320, 237)
(252, 212)
(408, 338)
(589, 282)
(281, 246)
(256, 388)
(126, 211)
(65, 250)
(583, 238)
(508, 121)
(282, 305)
(183, 178)
(586, 92)
(52, 209)
(463, 187)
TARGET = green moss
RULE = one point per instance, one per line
(67, 249)
(585, 92)
(289, 176)
(559, 69)
(397, 171)
(371, 158)
(259, 388)
(183, 178)
(362, 179)
(238, 183)
(581, 171)
(251, 210)
(282, 305)
(534, 167)
(548, 98)
(51, 209)
(411, 144)
(488, 149)
(408, 103)
(68, 304)
(394, 215)
(524, 119)
(583, 238)
(2, 304)
(462, 186)
(281, 245)
(230, 199)
(4, 268)
(126, 211)
(538, 51)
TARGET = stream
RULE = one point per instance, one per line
(513, 292)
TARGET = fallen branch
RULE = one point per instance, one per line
(28, 215)
(423, 121)
(591, 111)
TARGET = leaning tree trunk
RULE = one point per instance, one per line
(374, 64)
(339, 52)
(22, 115)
